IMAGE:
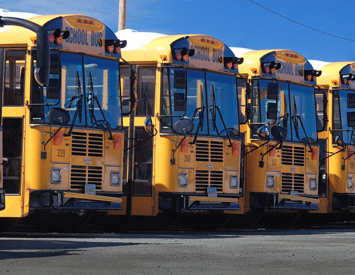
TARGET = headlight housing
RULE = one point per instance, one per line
(115, 178)
(270, 181)
(234, 181)
(313, 184)
(56, 175)
(350, 182)
(183, 180)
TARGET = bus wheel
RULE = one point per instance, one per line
(61, 221)
(7, 223)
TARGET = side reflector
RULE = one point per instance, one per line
(58, 138)
(236, 149)
(117, 142)
(272, 153)
(185, 146)
(315, 152)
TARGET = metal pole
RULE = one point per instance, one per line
(122, 7)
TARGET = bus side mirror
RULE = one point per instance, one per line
(58, 116)
(183, 126)
(148, 126)
(263, 132)
(339, 141)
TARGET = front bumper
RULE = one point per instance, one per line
(182, 202)
(2, 199)
(343, 201)
(65, 200)
(282, 201)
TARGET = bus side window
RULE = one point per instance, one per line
(321, 110)
(125, 89)
(14, 78)
(146, 91)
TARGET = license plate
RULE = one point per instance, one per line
(211, 191)
(90, 189)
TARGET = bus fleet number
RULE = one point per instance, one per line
(187, 158)
(60, 153)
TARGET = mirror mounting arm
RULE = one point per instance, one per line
(261, 163)
(44, 153)
(256, 148)
(172, 160)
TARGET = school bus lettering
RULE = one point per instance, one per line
(77, 36)
(201, 53)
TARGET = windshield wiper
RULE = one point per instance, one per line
(91, 104)
(295, 119)
(79, 104)
(214, 109)
(201, 117)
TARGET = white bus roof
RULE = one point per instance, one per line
(7, 13)
(135, 39)
(238, 52)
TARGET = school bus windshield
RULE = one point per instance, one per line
(282, 103)
(89, 88)
(211, 99)
(344, 115)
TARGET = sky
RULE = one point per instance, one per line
(317, 29)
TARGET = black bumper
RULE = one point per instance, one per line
(182, 202)
(65, 200)
(277, 201)
(343, 201)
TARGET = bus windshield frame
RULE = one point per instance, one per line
(89, 87)
(283, 103)
(343, 115)
(209, 99)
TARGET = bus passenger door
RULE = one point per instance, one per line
(139, 181)
(12, 114)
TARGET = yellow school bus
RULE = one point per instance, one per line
(336, 112)
(184, 143)
(61, 118)
(282, 151)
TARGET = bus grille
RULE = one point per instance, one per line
(292, 182)
(87, 144)
(208, 178)
(293, 155)
(209, 151)
(80, 175)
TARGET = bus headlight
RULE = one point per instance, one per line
(56, 175)
(115, 179)
(350, 182)
(183, 180)
(234, 181)
(270, 181)
(313, 185)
